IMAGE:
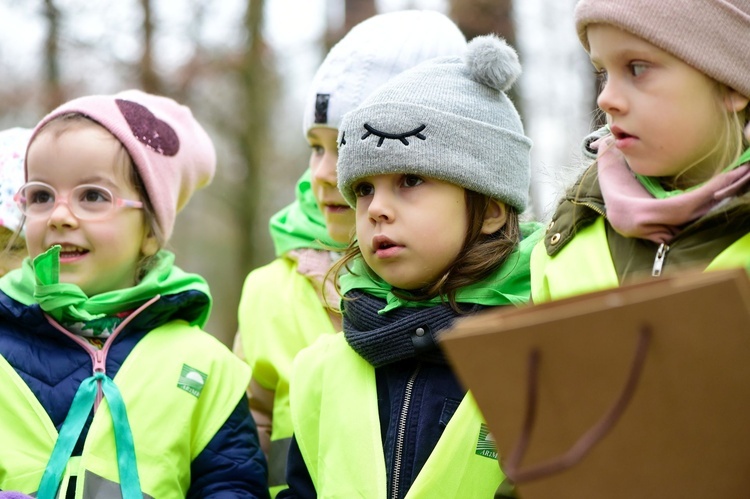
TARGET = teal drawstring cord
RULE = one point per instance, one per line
(83, 402)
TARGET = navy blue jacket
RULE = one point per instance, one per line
(53, 366)
(435, 396)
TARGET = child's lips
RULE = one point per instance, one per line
(70, 253)
(622, 138)
(337, 208)
(383, 247)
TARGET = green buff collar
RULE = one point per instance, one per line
(39, 282)
(654, 187)
(301, 224)
(508, 285)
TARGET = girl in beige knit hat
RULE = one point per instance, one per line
(670, 187)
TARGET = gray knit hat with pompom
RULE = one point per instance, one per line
(447, 118)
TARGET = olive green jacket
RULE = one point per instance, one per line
(696, 246)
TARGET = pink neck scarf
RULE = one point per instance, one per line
(634, 212)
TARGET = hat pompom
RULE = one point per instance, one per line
(493, 62)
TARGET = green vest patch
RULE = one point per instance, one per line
(192, 380)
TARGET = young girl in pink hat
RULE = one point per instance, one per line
(670, 188)
(108, 385)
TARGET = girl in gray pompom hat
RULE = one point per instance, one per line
(310, 234)
(670, 186)
(436, 165)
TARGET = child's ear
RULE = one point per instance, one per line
(495, 217)
(735, 102)
(150, 245)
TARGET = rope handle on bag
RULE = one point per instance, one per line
(587, 441)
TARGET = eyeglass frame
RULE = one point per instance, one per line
(117, 201)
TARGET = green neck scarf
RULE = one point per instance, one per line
(508, 285)
(654, 187)
(39, 282)
(301, 224)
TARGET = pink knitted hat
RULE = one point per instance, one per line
(172, 152)
(712, 36)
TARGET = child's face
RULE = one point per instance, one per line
(665, 115)
(339, 216)
(97, 255)
(410, 228)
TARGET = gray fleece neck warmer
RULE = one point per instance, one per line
(400, 334)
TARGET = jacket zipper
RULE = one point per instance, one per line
(99, 357)
(591, 206)
(661, 255)
(401, 433)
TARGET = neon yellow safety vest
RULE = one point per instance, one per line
(280, 313)
(335, 415)
(179, 385)
(585, 264)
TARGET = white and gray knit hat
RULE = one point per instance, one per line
(370, 54)
(447, 118)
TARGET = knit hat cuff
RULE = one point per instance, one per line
(431, 151)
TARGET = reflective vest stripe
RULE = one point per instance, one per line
(335, 415)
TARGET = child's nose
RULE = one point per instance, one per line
(325, 171)
(62, 216)
(381, 207)
(611, 99)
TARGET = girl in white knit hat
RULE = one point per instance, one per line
(286, 304)
(670, 188)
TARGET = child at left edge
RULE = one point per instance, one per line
(109, 387)
(436, 164)
(13, 143)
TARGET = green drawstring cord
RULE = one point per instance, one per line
(71, 430)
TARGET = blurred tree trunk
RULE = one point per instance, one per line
(481, 17)
(52, 93)
(355, 11)
(149, 79)
(252, 135)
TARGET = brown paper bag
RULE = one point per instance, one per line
(640, 391)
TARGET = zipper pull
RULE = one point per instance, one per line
(99, 366)
(661, 254)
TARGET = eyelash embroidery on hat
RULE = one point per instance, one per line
(148, 129)
(395, 136)
(343, 139)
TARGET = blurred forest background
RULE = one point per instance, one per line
(243, 66)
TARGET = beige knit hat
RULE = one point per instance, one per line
(712, 36)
